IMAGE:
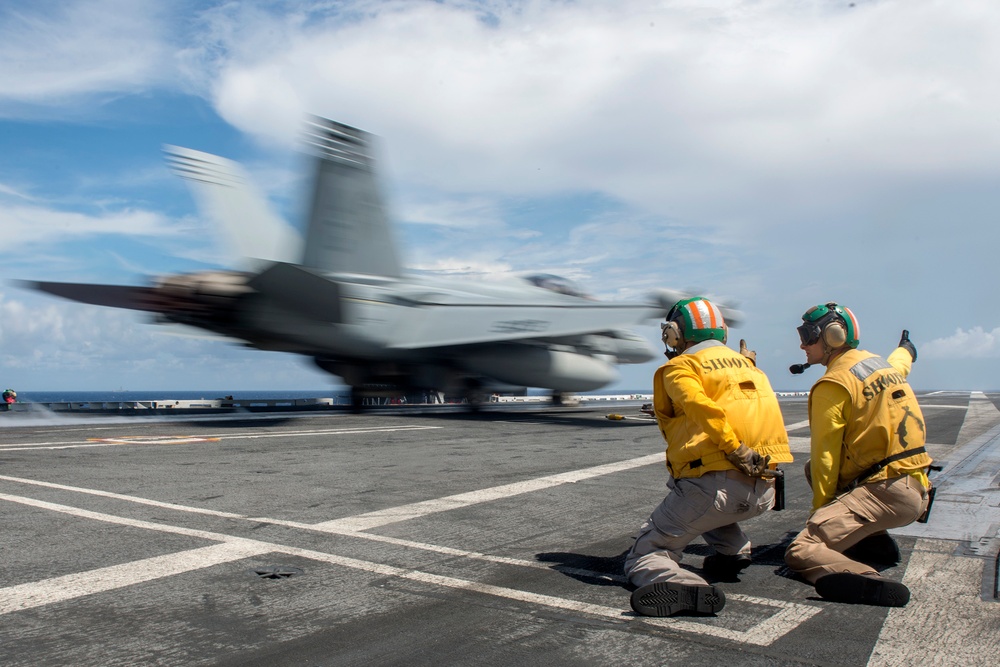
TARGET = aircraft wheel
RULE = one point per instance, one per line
(475, 399)
(357, 400)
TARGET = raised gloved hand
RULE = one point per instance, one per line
(748, 461)
(905, 343)
(749, 354)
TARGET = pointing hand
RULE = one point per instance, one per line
(905, 343)
(749, 354)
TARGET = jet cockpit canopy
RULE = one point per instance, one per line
(557, 284)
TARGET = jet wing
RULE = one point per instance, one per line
(210, 300)
(471, 324)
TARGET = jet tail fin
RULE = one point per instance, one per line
(348, 229)
(225, 194)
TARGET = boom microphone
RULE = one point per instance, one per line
(798, 369)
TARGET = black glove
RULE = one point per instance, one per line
(748, 462)
(905, 343)
(749, 354)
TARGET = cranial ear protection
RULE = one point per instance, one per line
(672, 336)
(834, 334)
(671, 333)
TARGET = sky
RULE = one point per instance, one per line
(774, 153)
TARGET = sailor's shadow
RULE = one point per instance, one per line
(608, 570)
(594, 570)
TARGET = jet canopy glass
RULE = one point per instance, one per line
(556, 284)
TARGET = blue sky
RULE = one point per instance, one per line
(781, 153)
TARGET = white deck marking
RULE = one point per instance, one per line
(948, 586)
(448, 551)
(68, 587)
(71, 586)
(251, 435)
(154, 440)
(423, 508)
(950, 624)
(119, 496)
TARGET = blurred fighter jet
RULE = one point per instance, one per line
(346, 301)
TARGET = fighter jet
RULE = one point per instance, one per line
(342, 297)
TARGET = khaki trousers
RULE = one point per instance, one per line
(708, 506)
(849, 518)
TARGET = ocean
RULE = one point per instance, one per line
(343, 395)
(179, 395)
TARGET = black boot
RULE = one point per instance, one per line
(863, 589)
(722, 566)
(666, 599)
(876, 549)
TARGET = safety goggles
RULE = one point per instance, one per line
(811, 329)
(809, 333)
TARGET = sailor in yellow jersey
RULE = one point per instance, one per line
(868, 466)
(725, 436)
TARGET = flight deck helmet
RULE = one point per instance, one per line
(834, 324)
(693, 320)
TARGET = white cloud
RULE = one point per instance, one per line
(48, 344)
(976, 343)
(53, 50)
(671, 106)
(28, 225)
(12, 192)
(778, 151)
(467, 212)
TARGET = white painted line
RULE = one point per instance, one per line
(423, 508)
(448, 551)
(371, 537)
(112, 442)
(71, 586)
(122, 521)
(763, 634)
(154, 440)
(119, 496)
(946, 622)
(68, 587)
(792, 614)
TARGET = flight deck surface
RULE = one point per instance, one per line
(405, 537)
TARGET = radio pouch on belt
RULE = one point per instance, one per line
(779, 488)
(779, 492)
(930, 498)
